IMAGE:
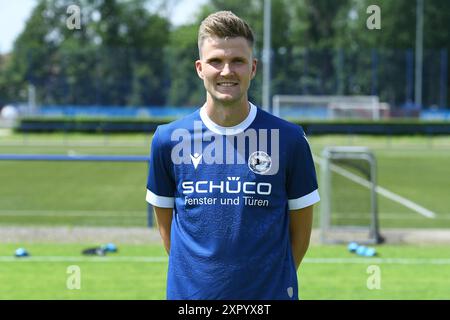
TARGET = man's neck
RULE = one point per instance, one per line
(227, 115)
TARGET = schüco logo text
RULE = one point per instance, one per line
(232, 185)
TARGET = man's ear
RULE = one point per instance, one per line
(198, 67)
(254, 67)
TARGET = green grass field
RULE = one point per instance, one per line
(73, 193)
(139, 272)
(415, 168)
(112, 194)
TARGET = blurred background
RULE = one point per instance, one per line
(80, 101)
(140, 54)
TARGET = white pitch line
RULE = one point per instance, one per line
(406, 202)
(72, 213)
(36, 144)
(139, 214)
(83, 259)
(380, 190)
(386, 215)
(407, 261)
(402, 261)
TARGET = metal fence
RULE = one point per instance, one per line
(387, 73)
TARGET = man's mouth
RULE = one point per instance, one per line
(227, 84)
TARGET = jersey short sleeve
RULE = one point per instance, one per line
(160, 182)
(302, 188)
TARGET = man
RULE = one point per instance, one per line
(233, 187)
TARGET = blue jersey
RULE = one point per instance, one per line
(231, 189)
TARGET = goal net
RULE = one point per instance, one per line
(349, 210)
(329, 107)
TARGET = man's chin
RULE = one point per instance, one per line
(227, 99)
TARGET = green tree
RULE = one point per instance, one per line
(388, 54)
(32, 51)
(186, 89)
(116, 58)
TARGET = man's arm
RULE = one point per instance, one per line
(300, 232)
(164, 220)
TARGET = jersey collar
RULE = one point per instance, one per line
(228, 130)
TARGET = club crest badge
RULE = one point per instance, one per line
(259, 162)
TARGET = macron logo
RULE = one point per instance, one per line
(196, 159)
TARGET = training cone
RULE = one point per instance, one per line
(21, 252)
(361, 250)
(110, 247)
(370, 252)
(352, 246)
(94, 251)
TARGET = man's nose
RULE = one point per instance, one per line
(226, 69)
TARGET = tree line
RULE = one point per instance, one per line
(127, 54)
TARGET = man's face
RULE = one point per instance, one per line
(226, 67)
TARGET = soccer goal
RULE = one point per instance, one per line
(329, 107)
(349, 208)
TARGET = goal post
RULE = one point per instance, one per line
(349, 207)
(329, 107)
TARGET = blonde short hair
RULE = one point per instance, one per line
(224, 24)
